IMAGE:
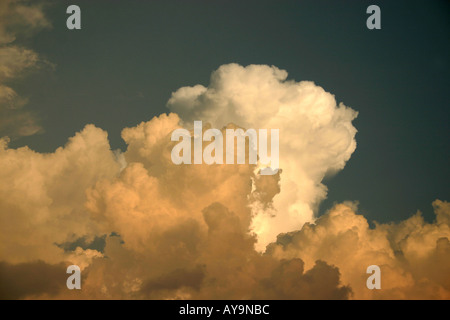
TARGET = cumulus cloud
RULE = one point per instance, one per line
(165, 222)
(414, 256)
(17, 18)
(42, 195)
(214, 262)
(316, 135)
(142, 227)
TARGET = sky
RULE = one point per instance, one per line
(131, 61)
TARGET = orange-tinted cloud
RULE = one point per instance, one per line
(188, 231)
(414, 256)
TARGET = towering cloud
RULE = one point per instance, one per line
(140, 226)
(316, 135)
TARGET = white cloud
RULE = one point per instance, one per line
(316, 135)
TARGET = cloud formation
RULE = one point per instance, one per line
(142, 227)
(316, 135)
(42, 195)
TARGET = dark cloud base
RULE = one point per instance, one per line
(31, 279)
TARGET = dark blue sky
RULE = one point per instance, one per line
(122, 66)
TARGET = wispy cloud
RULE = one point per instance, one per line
(17, 18)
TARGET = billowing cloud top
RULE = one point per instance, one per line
(316, 136)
